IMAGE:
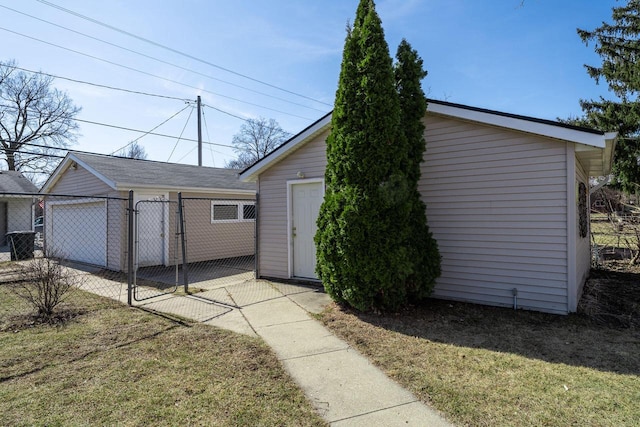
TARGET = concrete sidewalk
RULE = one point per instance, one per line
(344, 386)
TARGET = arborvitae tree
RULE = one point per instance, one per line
(362, 256)
(422, 247)
(618, 45)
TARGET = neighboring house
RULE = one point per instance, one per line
(16, 209)
(93, 230)
(507, 201)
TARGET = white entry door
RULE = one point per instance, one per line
(305, 206)
(151, 229)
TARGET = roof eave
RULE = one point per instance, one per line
(594, 139)
(609, 152)
(252, 172)
(129, 186)
(66, 163)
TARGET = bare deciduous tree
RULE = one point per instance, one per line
(256, 139)
(133, 151)
(34, 118)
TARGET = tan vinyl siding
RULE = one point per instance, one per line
(82, 183)
(272, 186)
(206, 240)
(583, 247)
(497, 205)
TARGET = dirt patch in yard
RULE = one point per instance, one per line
(612, 297)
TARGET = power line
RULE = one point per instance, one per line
(95, 21)
(35, 153)
(181, 133)
(157, 59)
(152, 75)
(49, 147)
(156, 127)
(245, 119)
(97, 84)
(150, 133)
(120, 128)
(191, 151)
(204, 119)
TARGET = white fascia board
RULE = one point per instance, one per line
(557, 132)
(252, 173)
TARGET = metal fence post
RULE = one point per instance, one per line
(130, 260)
(185, 269)
(256, 247)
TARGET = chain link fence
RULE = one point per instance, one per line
(52, 246)
(150, 253)
(615, 240)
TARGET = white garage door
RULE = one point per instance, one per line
(79, 232)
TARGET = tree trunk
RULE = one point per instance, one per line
(11, 160)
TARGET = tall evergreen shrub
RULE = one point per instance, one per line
(422, 247)
(361, 240)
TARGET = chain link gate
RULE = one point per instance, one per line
(153, 256)
(191, 246)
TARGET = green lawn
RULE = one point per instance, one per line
(114, 365)
(487, 366)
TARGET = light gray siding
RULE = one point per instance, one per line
(497, 205)
(273, 245)
(19, 216)
(116, 233)
(501, 204)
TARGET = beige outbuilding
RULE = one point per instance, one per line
(85, 214)
(507, 200)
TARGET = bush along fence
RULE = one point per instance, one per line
(139, 252)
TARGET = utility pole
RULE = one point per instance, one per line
(199, 132)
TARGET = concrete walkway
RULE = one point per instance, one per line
(344, 386)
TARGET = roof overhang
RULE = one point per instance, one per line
(597, 161)
(168, 189)
(252, 172)
(71, 161)
(68, 162)
(594, 147)
(520, 123)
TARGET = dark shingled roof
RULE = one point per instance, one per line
(15, 182)
(159, 174)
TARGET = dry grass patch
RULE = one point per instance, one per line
(485, 366)
(114, 365)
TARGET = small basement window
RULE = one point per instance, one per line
(232, 211)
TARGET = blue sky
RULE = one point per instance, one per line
(507, 55)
